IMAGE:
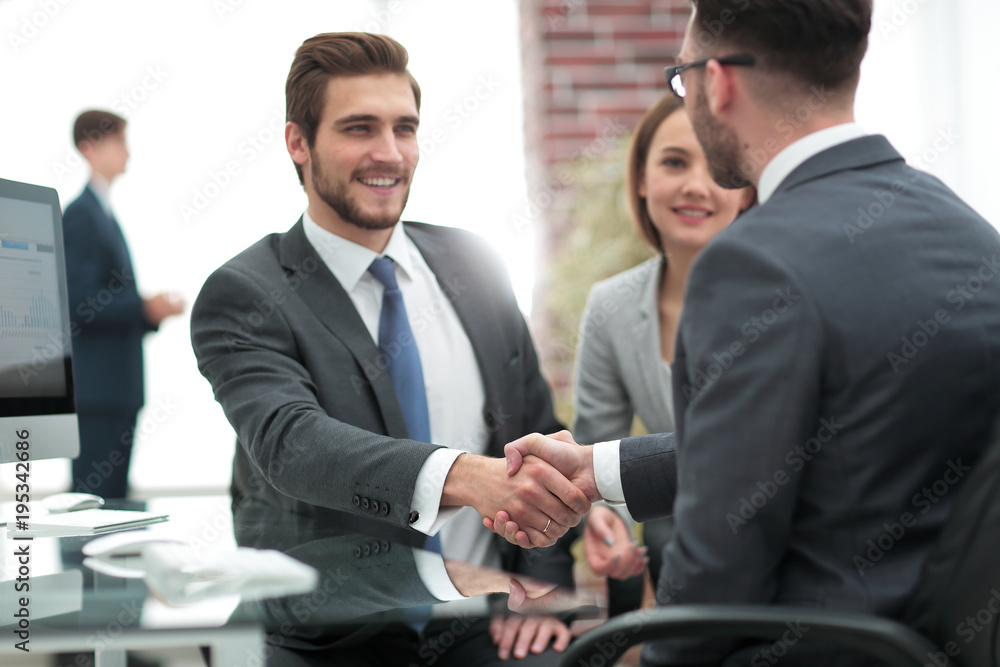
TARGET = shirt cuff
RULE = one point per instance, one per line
(428, 490)
(434, 575)
(608, 472)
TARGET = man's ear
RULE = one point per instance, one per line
(718, 86)
(295, 142)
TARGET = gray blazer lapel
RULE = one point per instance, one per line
(646, 334)
(329, 302)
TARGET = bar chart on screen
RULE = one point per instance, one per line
(30, 321)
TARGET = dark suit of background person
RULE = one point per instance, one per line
(107, 352)
(286, 351)
(861, 367)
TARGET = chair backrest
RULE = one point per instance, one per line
(957, 603)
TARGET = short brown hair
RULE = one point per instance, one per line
(818, 42)
(638, 151)
(95, 124)
(337, 54)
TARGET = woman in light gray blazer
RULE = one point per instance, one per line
(628, 329)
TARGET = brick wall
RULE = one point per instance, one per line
(591, 68)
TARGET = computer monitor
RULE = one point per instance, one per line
(37, 403)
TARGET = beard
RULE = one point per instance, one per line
(337, 197)
(721, 145)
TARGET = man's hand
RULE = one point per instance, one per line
(160, 307)
(609, 548)
(524, 633)
(574, 461)
(545, 503)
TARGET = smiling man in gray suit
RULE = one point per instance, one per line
(838, 360)
(373, 370)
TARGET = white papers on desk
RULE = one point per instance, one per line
(84, 522)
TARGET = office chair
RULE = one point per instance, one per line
(953, 618)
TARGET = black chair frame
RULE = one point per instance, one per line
(897, 644)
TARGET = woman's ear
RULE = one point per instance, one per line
(749, 199)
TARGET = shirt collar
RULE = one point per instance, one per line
(799, 151)
(349, 261)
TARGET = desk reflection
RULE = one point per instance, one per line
(377, 600)
(375, 592)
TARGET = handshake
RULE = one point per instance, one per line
(548, 485)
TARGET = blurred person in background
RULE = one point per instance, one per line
(107, 312)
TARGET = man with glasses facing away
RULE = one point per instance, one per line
(838, 354)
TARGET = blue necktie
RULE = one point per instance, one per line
(396, 343)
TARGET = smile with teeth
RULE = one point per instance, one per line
(693, 212)
(379, 182)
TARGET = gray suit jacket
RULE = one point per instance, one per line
(837, 373)
(286, 353)
(619, 367)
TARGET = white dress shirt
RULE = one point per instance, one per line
(455, 390)
(607, 461)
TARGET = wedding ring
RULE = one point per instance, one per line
(547, 526)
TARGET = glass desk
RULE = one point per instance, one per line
(368, 585)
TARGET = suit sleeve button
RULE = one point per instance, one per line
(365, 503)
(357, 552)
(356, 500)
(386, 546)
(385, 509)
(414, 516)
(367, 550)
(375, 547)
(375, 506)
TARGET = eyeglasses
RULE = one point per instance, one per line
(673, 74)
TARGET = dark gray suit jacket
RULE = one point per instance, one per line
(287, 354)
(837, 373)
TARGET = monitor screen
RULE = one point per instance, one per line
(36, 370)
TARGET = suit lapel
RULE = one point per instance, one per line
(460, 286)
(330, 303)
(646, 333)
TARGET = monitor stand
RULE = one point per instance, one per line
(48, 437)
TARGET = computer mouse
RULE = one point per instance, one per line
(69, 502)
